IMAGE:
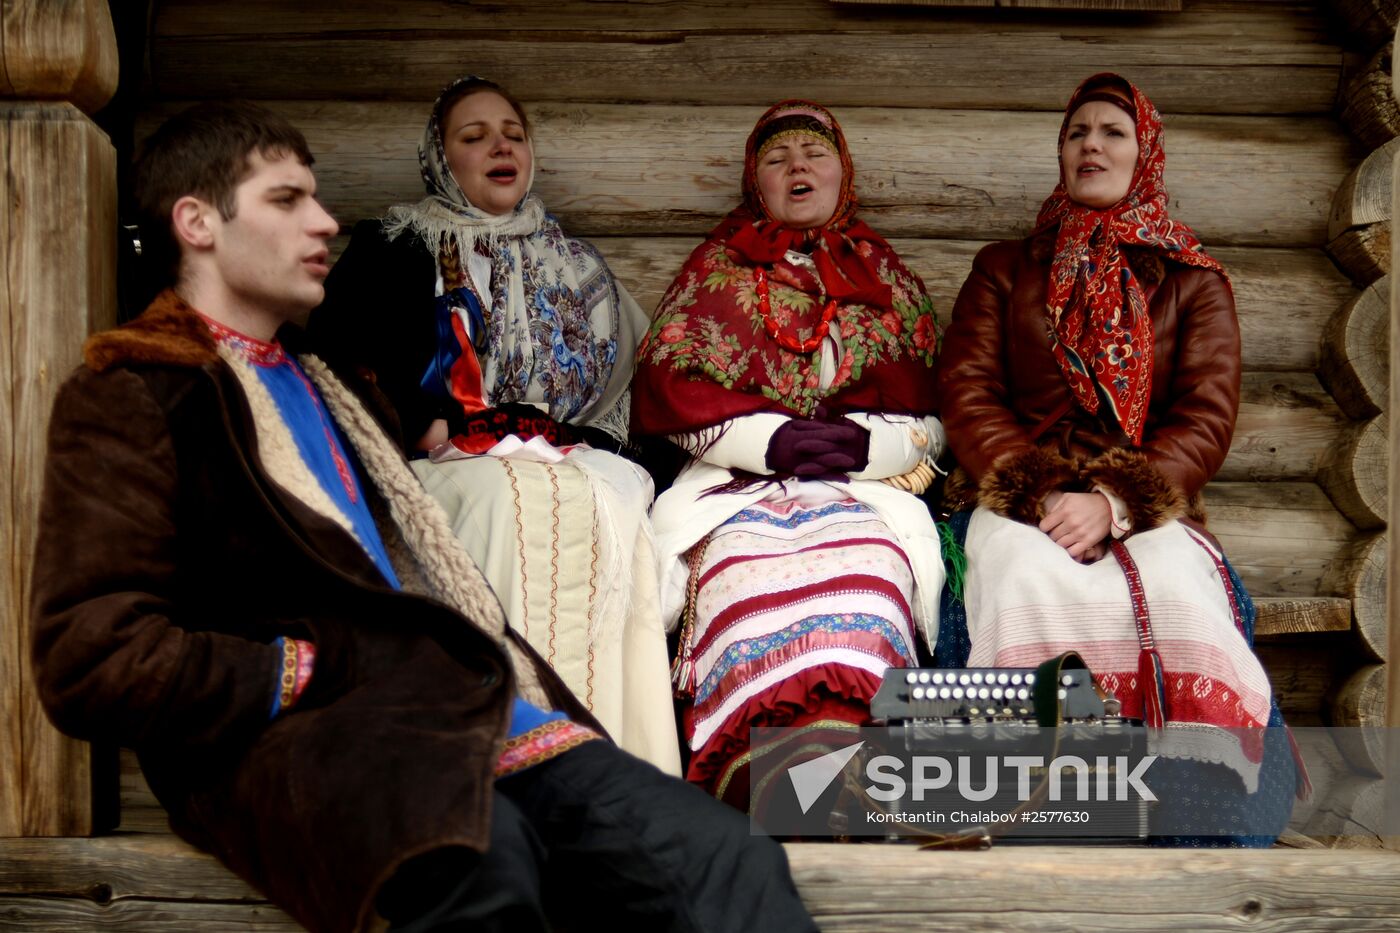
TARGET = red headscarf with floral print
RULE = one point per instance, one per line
(707, 357)
(1097, 308)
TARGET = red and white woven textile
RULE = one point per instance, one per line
(1028, 600)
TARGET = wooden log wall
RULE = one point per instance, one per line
(57, 283)
(641, 110)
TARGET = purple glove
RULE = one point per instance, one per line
(820, 448)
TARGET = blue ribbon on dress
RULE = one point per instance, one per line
(437, 380)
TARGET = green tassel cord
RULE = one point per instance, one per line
(954, 561)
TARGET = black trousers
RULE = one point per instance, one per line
(599, 840)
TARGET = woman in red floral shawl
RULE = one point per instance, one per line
(793, 358)
(1090, 381)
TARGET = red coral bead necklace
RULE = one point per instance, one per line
(765, 308)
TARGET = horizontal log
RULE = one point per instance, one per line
(1284, 539)
(645, 169)
(1288, 428)
(1223, 58)
(1355, 352)
(1284, 297)
(1356, 476)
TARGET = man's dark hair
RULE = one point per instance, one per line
(203, 152)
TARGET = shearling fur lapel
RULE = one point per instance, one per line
(168, 332)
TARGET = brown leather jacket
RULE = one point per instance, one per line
(1010, 416)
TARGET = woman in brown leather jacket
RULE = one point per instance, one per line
(1089, 385)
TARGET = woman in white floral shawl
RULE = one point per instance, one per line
(506, 347)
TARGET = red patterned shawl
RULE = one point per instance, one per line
(1097, 307)
(707, 357)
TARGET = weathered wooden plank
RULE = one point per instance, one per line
(861, 887)
(1260, 181)
(1241, 58)
(1068, 889)
(11, 645)
(58, 250)
(1280, 616)
(58, 51)
(114, 868)
(67, 915)
(1282, 538)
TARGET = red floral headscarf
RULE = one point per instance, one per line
(1097, 307)
(707, 356)
(755, 238)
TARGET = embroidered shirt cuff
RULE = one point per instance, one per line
(1120, 522)
(298, 661)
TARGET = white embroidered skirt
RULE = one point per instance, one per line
(567, 548)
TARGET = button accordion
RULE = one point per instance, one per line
(1054, 713)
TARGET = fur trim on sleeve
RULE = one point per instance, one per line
(1018, 483)
(1151, 498)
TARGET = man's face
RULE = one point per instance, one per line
(271, 255)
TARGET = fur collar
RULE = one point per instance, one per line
(168, 332)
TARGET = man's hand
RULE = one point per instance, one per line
(1079, 523)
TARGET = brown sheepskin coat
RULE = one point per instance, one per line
(168, 560)
(1001, 386)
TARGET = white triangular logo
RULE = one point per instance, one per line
(810, 778)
